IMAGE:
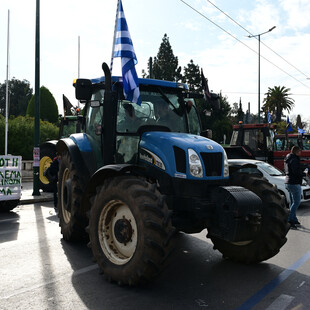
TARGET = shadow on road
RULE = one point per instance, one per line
(9, 226)
(197, 277)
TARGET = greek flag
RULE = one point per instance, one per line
(123, 48)
(300, 130)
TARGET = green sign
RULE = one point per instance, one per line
(10, 177)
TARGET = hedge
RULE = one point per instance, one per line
(21, 135)
(48, 106)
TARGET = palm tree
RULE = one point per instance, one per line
(277, 100)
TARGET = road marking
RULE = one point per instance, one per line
(255, 299)
(28, 289)
(281, 302)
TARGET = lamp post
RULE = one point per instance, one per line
(252, 36)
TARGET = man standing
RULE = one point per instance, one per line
(293, 182)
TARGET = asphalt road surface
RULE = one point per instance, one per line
(39, 270)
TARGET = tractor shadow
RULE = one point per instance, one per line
(197, 276)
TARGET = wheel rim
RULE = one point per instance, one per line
(117, 231)
(45, 162)
(66, 214)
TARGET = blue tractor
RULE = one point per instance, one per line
(137, 174)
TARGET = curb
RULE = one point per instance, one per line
(35, 199)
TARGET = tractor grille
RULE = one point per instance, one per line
(180, 159)
(213, 163)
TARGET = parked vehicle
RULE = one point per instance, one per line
(272, 174)
(68, 124)
(259, 141)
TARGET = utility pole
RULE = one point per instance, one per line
(7, 90)
(252, 36)
(36, 148)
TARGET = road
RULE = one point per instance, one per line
(39, 270)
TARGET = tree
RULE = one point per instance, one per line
(218, 121)
(20, 93)
(21, 135)
(165, 65)
(48, 106)
(277, 100)
(192, 76)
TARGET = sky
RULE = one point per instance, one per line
(214, 34)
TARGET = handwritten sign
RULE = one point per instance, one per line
(10, 177)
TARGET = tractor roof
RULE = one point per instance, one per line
(152, 82)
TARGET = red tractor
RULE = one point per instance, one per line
(259, 141)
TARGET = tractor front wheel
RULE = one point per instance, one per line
(274, 226)
(130, 230)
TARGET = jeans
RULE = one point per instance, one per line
(295, 197)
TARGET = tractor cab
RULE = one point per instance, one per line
(256, 139)
(164, 108)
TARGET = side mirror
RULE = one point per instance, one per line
(207, 133)
(83, 89)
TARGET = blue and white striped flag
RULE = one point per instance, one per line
(123, 48)
(300, 130)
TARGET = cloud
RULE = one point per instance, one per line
(298, 12)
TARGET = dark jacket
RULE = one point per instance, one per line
(292, 169)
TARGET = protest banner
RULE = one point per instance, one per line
(10, 177)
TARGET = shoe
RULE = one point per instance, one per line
(296, 222)
(293, 226)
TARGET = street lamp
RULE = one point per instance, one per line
(252, 36)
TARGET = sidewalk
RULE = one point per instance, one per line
(27, 198)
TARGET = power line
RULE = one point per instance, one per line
(227, 32)
(233, 20)
(249, 93)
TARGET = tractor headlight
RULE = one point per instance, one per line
(195, 166)
(226, 167)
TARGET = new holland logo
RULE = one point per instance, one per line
(209, 147)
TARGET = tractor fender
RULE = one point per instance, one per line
(50, 142)
(102, 174)
(68, 145)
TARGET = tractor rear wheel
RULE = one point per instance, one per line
(71, 219)
(130, 230)
(47, 154)
(274, 226)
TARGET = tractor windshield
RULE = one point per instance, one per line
(157, 108)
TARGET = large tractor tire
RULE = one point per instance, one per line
(130, 230)
(274, 226)
(71, 219)
(47, 154)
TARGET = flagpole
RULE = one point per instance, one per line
(79, 55)
(111, 66)
(7, 89)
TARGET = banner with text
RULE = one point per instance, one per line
(10, 177)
